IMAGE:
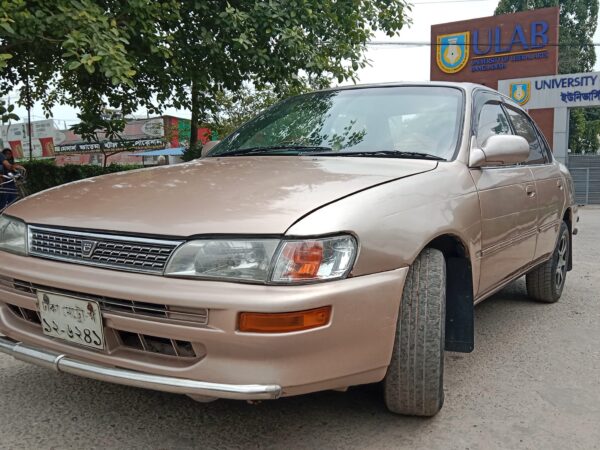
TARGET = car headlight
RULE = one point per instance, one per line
(227, 259)
(264, 260)
(13, 235)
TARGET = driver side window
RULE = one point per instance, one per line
(492, 121)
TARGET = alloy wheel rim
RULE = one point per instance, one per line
(561, 266)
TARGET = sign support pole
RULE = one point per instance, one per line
(561, 134)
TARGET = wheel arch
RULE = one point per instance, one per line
(459, 292)
(450, 245)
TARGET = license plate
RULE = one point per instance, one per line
(72, 319)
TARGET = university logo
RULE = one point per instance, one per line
(452, 52)
(520, 92)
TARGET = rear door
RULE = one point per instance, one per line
(507, 196)
(548, 182)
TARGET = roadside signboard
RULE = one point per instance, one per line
(556, 91)
(43, 134)
(489, 49)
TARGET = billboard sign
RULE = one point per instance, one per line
(487, 49)
(15, 135)
(43, 133)
(112, 146)
(557, 91)
(139, 134)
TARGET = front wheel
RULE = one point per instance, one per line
(414, 384)
(545, 283)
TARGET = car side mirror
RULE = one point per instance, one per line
(499, 150)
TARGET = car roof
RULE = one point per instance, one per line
(464, 86)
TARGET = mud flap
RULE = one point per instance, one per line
(459, 306)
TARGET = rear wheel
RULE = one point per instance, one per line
(545, 283)
(413, 384)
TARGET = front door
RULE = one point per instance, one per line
(548, 181)
(508, 202)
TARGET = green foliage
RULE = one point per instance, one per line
(578, 22)
(6, 113)
(192, 152)
(219, 46)
(234, 108)
(45, 174)
(576, 130)
(183, 53)
(3, 58)
(583, 131)
(83, 53)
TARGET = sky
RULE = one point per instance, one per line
(387, 62)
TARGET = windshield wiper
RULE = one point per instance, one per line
(275, 148)
(383, 154)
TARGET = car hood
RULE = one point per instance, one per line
(234, 195)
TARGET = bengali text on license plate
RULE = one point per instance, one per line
(72, 319)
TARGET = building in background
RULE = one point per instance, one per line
(66, 147)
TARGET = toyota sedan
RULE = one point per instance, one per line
(340, 238)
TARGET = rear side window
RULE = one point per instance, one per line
(544, 144)
(524, 128)
(491, 121)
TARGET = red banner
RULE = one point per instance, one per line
(17, 148)
(47, 146)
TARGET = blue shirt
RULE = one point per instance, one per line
(4, 170)
(2, 159)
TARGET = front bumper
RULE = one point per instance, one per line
(62, 363)
(354, 348)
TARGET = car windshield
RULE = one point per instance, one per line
(407, 121)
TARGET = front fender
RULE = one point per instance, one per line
(395, 221)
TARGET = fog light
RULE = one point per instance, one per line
(284, 322)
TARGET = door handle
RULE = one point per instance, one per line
(530, 190)
(559, 185)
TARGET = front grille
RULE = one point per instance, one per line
(185, 316)
(122, 253)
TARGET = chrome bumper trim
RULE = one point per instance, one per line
(63, 363)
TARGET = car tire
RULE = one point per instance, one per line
(545, 283)
(414, 384)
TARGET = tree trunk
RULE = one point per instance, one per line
(194, 124)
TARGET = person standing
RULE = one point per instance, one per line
(8, 189)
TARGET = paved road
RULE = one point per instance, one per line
(533, 382)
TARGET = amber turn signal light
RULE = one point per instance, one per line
(304, 259)
(284, 322)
